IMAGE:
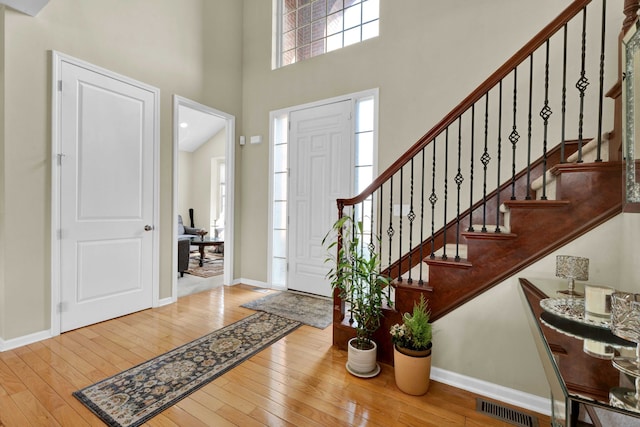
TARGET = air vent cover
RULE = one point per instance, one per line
(502, 413)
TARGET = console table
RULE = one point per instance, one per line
(576, 358)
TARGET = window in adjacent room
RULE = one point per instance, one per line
(308, 28)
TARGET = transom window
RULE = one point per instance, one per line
(308, 28)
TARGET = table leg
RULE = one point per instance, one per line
(201, 254)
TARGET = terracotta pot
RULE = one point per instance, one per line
(412, 372)
(362, 363)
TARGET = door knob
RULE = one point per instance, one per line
(148, 227)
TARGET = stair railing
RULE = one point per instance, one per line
(416, 209)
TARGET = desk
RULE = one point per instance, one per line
(202, 243)
(577, 361)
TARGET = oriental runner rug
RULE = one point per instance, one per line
(132, 397)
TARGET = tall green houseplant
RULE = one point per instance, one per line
(355, 272)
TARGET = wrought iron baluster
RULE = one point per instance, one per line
(485, 159)
(411, 217)
(459, 180)
(514, 136)
(601, 96)
(582, 84)
(545, 113)
(421, 281)
(528, 188)
(433, 198)
(400, 225)
(564, 98)
(499, 157)
(390, 230)
(446, 183)
(473, 133)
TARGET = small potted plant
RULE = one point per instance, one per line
(355, 273)
(412, 350)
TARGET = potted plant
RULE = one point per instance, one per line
(355, 273)
(412, 350)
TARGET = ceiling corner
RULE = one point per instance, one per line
(30, 7)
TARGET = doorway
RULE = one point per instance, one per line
(319, 152)
(203, 141)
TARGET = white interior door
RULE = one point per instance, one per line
(320, 172)
(108, 130)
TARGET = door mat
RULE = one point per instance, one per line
(311, 310)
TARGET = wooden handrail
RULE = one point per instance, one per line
(630, 10)
(502, 72)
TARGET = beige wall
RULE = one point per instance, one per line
(2, 175)
(194, 183)
(159, 42)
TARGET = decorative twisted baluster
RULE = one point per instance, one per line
(390, 231)
(514, 136)
(545, 113)
(421, 281)
(400, 224)
(411, 216)
(433, 198)
(600, 104)
(563, 158)
(485, 159)
(499, 158)
(582, 84)
(473, 128)
(459, 180)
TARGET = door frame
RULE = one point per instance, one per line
(57, 58)
(230, 156)
(353, 97)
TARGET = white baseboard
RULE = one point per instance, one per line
(24, 340)
(166, 301)
(250, 282)
(517, 398)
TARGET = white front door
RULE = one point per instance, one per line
(320, 172)
(108, 129)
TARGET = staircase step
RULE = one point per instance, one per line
(490, 228)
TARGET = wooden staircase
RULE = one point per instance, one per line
(568, 191)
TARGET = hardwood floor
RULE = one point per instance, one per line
(298, 381)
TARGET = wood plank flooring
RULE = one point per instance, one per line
(298, 381)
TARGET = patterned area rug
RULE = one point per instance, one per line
(311, 310)
(132, 397)
(212, 265)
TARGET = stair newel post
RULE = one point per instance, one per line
(601, 95)
(499, 157)
(433, 198)
(545, 113)
(446, 193)
(411, 216)
(564, 97)
(529, 122)
(582, 83)
(473, 133)
(400, 215)
(485, 159)
(514, 136)
(421, 281)
(338, 302)
(459, 179)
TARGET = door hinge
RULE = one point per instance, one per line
(60, 157)
(59, 85)
(59, 234)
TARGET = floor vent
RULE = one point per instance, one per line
(502, 413)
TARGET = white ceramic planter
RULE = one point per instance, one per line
(362, 363)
